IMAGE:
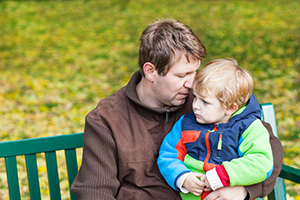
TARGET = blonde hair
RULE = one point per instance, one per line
(227, 80)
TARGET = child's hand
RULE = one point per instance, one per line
(193, 184)
(206, 183)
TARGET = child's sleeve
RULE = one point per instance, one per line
(171, 155)
(254, 165)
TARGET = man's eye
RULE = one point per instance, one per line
(181, 75)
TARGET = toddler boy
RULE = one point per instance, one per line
(223, 142)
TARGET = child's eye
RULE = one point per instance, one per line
(205, 102)
(194, 98)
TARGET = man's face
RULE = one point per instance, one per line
(173, 88)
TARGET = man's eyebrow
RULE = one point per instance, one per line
(189, 72)
(180, 73)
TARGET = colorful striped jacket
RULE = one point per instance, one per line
(239, 151)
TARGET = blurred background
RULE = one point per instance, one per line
(59, 58)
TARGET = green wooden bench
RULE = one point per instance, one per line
(287, 172)
(68, 143)
(30, 148)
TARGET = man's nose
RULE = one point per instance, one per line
(189, 82)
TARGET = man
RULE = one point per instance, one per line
(123, 134)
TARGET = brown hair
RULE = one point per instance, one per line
(164, 41)
(227, 80)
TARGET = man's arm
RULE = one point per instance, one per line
(97, 177)
(170, 166)
(264, 188)
(226, 193)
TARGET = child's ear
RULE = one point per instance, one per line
(231, 109)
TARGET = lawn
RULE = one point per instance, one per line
(59, 58)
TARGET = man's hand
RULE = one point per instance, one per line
(228, 193)
(193, 184)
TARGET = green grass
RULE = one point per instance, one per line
(59, 58)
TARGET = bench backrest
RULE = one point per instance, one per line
(30, 148)
(268, 115)
(287, 172)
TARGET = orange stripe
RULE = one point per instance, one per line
(208, 166)
(215, 128)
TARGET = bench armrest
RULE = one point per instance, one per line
(290, 173)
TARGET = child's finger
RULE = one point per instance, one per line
(206, 189)
(197, 192)
(199, 175)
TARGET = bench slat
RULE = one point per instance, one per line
(290, 173)
(53, 179)
(33, 176)
(12, 178)
(72, 168)
(279, 191)
(268, 115)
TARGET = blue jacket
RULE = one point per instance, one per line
(192, 146)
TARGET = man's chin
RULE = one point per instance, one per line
(179, 102)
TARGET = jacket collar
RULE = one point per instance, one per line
(143, 109)
(250, 110)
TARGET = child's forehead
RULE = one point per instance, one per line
(204, 93)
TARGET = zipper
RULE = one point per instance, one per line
(208, 166)
(167, 115)
(219, 148)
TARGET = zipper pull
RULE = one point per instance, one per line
(219, 146)
(220, 142)
(167, 115)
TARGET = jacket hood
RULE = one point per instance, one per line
(251, 108)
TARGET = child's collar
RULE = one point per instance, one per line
(239, 111)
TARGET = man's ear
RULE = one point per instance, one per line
(149, 71)
(231, 109)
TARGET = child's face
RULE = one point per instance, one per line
(208, 109)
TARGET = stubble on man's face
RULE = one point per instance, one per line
(173, 88)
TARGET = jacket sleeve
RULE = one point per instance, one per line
(97, 177)
(264, 188)
(254, 165)
(169, 164)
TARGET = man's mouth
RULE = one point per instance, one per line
(184, 94)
